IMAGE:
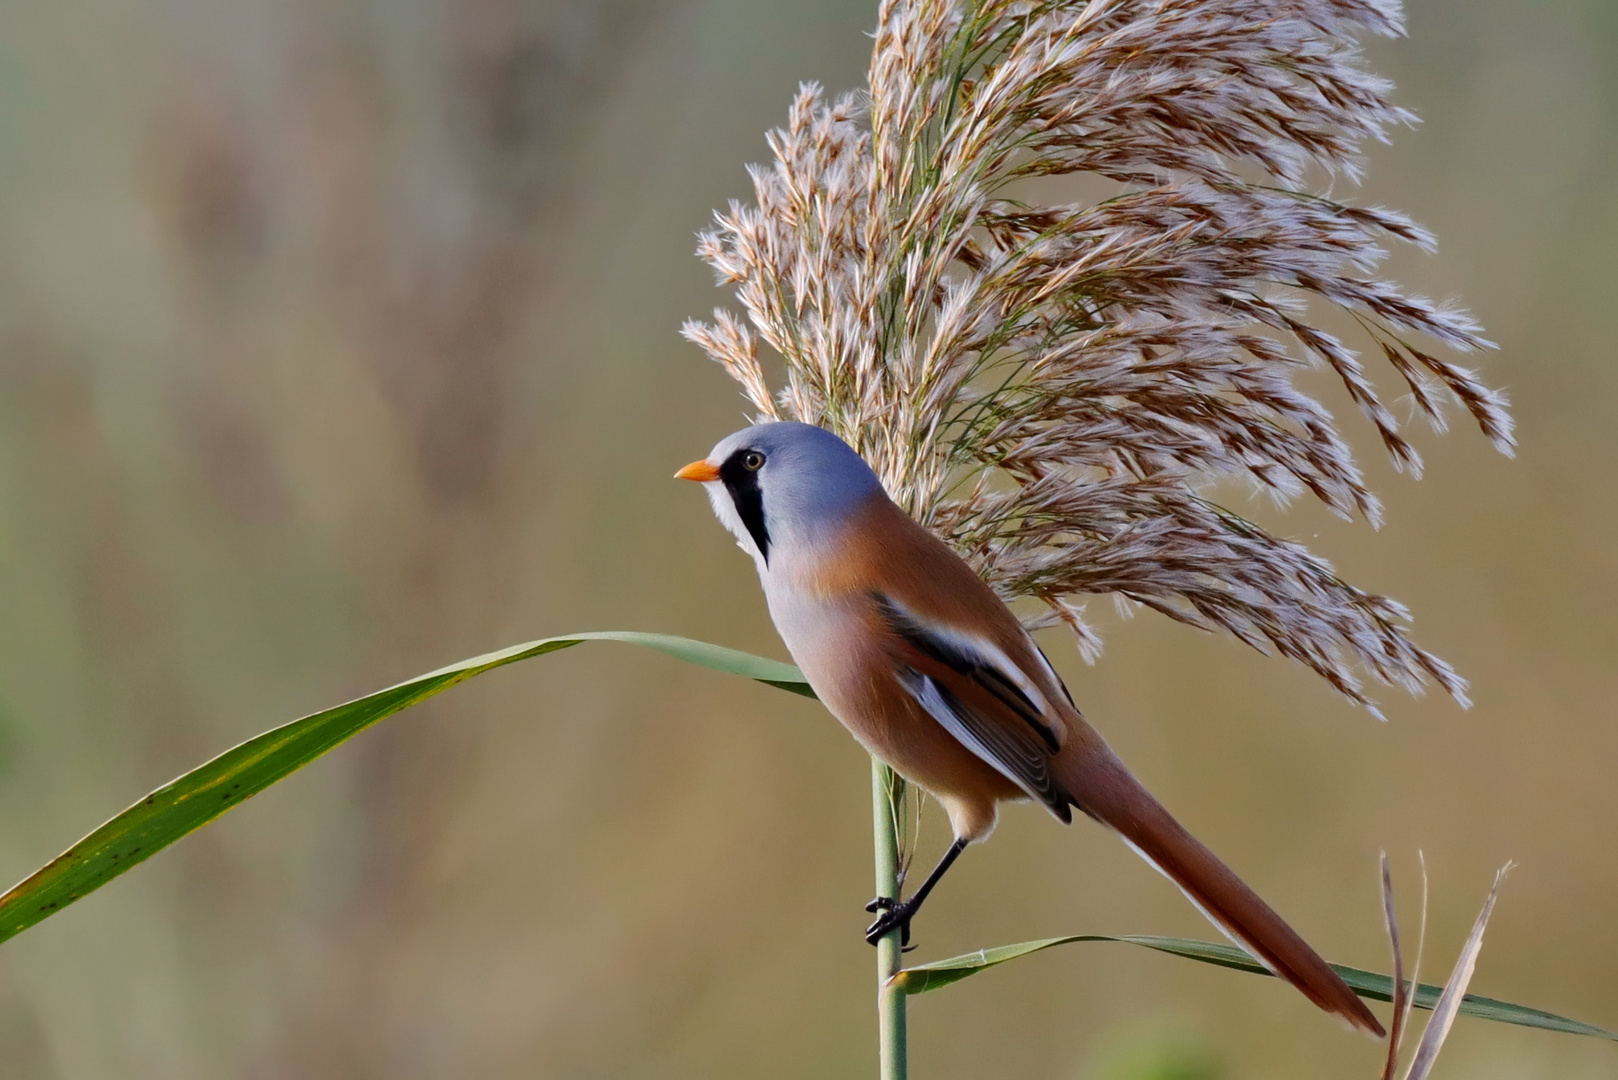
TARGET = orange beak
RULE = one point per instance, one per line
(700, 471)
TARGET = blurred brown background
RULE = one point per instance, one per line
(337, 341)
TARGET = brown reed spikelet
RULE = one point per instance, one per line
(1053, 387)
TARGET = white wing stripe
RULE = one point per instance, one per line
(1036, 781)
(990, 653)
(925, 691)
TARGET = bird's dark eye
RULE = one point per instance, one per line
(752, 461)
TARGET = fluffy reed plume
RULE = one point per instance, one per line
(1053, 388)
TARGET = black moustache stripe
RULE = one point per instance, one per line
(742, 483)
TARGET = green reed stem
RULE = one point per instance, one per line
(890, 1000)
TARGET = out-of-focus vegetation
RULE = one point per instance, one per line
(337, 342)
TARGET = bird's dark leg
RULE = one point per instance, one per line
(896, 913)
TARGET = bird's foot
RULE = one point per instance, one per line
(895, 914)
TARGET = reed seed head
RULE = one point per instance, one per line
(1054, 387)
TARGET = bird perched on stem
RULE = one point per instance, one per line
(1052, 272)
(931, 671)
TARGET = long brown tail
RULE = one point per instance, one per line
(1103, 788)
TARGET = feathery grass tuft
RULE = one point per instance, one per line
(1053, 387)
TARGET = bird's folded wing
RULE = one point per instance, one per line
(975, 692)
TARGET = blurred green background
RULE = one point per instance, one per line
(338, 341)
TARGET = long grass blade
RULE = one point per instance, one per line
(205, 792)
(1367, 984)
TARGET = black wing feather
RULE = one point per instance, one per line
(978, 668)
(1023, 755)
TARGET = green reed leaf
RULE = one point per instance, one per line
(209, 790)
(1367, 984)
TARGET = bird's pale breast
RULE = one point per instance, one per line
(822, 605)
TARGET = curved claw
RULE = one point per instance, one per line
(895, 917)
(883, 903)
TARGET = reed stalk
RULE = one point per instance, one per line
(887, 795)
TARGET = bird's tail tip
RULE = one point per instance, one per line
(1111, 795)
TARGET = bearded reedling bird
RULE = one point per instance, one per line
(931, 671)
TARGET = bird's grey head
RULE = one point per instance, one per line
(783, 484)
